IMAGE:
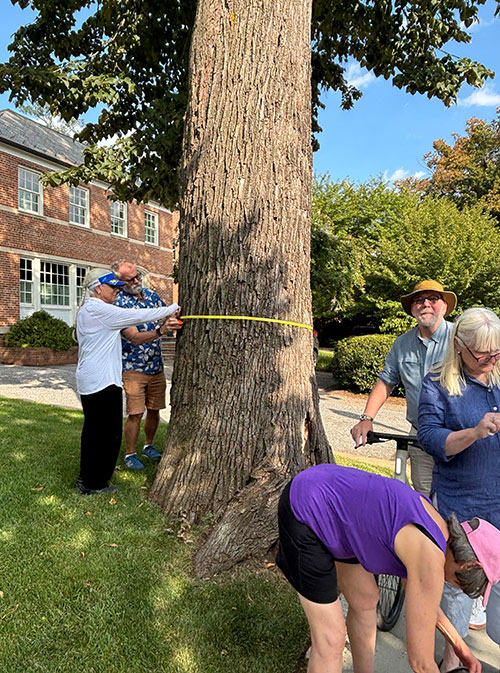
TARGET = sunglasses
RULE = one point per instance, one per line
(138, 276)
(420, 301)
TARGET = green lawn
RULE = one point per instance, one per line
(324, 361)
(102, 584)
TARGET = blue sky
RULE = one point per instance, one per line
(388, 131)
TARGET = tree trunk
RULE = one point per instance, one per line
(244, 400)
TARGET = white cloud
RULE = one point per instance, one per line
(357, 77)
(484, 97)
(401, 174)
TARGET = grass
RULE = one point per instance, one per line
(324, 363)
(103, 584)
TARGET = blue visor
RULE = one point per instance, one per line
(109, 279)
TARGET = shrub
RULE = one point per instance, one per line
(40, 330)
(357, 361)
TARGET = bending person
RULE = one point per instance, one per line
(459, 422)
(99, 376)
(339, 525)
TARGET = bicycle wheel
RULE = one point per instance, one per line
(390, 601)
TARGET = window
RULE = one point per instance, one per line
(26, 281)
(54, 284)
(29, 195)
(78, 206)
(81, 272)
(151, 227)
(118, 218)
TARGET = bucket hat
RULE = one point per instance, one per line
(428, 286)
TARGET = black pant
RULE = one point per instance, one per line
(101, 436)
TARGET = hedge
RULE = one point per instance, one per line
(357, 361)
(40, 330)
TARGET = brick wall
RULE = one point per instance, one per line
(40, 235)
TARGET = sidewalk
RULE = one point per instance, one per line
(339, 410)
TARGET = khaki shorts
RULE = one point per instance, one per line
(144, 391)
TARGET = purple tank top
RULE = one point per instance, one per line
(357, 514)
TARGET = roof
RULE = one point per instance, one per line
(24, 133)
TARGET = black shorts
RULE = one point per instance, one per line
(303, 558)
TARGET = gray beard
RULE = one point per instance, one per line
(136, 291)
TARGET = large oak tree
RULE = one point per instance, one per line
(235, 85)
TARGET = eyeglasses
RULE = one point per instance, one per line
(420, 300)
(482, 359)
(137, 277)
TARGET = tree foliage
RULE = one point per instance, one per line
(396, 240)
(130, 58)
(348, 221)
(468, 171)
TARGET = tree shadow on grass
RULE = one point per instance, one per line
(103, 583)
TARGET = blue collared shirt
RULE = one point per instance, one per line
(145, 358)
(467, 483)
(409, 360)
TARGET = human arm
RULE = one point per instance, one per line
(114, 317)
(458, 441)
(424, 562)
(380, 392)
(434, 416)
(460, 648)
(138, 338)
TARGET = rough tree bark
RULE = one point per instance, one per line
(244, 399)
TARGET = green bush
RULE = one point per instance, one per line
(357, 361)
(40, 330)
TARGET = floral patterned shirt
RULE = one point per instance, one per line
(145, 358)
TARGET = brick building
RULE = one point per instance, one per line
(51, 236)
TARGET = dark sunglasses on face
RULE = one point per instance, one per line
(420, 301)
(137, 277)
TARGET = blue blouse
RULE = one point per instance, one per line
(467, 483)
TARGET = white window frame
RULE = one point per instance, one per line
(114, 216)
(54, 273)
(78, 205)
(36, 273)
(31, 282)
(154, 218)
(39, 193)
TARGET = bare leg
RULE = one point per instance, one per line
(131, 432)
(151, 424)
(361, 592)
(326, 621)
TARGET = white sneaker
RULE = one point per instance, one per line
(478, 616)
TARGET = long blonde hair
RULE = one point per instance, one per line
(479, 329)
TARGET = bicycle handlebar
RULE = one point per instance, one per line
(376, 437)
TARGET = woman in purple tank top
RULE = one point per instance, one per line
(339, 526)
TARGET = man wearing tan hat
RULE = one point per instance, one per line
(410, 358)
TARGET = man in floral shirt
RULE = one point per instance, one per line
(143, 375)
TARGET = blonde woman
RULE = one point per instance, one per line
(459, 425)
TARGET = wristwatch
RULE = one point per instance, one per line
(158, 331)
(365, 417)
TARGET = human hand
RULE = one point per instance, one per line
(488, 425)
(360, 431)
(465, 655)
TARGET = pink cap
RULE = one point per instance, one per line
(485, 541)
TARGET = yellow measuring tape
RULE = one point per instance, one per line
(244, 317)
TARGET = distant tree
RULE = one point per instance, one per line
(45, 117)
(433, 238)
(468, 171)
(348, 221)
